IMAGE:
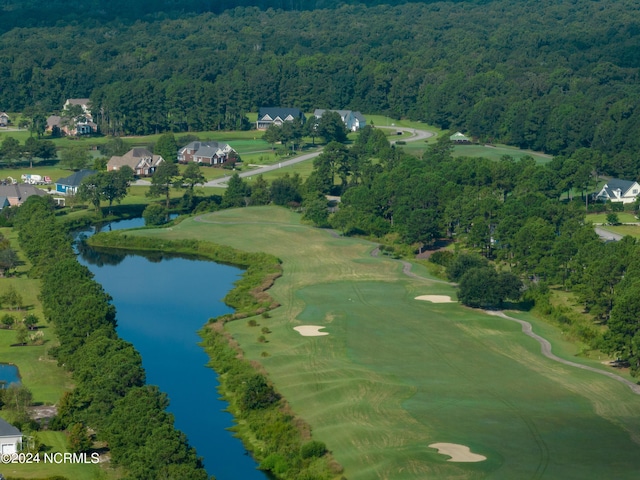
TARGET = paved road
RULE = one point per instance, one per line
(607, 236)
(416, 135)
(222, 182)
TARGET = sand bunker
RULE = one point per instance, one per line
(436, 298)
(310, 331)
(458, 453)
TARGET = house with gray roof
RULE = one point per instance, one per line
(10, 438)
(17, 193)
(618, 190)
(4, 119)
(69, 185)
(268, 116)
(354, 121)
(206, 153)
(139, 159)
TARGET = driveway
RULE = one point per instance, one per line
(416, 135)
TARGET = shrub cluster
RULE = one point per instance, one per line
(249, 297)
(253, 401)
(110, 396)
(284, 449)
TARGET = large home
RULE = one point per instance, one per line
(208, 153)
(69, 185)
(4, 119)
(268, 116)
(354, 121)
(617, 190)
(81, 125)
(142, 162)
(17, 193)
(10, 438)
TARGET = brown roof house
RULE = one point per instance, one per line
(142, 162)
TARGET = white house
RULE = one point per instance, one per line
(10, 438)
(268, 116)
(617, 190)
(354, 121)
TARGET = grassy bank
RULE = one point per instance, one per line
(42, 375)
(279, 440)
(395, 375)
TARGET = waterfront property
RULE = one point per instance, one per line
(69, 185)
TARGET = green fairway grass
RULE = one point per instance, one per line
(395, 374)
(623, 217)
(497, 152)
(631, 230)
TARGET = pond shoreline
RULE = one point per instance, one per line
(248, 298)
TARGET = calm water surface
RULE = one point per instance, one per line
(161, 304)
(8, 374)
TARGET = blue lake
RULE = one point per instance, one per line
(161, 303)
(8, 374)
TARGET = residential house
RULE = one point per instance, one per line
(208, 153)
(81, 125)
(17, 193)
(69, 185)
(459, 138)
(268, 116)
(142, 162)
(354, 121)
(10, 438)
(617, 190)
(4, 119)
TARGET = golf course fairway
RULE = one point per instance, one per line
(380, 376)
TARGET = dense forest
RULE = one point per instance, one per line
(550, 76)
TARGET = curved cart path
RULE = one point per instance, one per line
(545, 348)
(545, 345)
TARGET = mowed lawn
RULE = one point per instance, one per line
(396, 374)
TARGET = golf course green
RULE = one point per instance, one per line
(393, 375)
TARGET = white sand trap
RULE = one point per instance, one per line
(436, 298)
(458, 453)
(310, 331)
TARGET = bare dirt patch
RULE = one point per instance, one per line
(458, 453)
(436, 298)
(310, 330)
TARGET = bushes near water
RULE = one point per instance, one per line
(278, 439)
(107, 371)
(249, 297)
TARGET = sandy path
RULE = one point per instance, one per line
(545, 348)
